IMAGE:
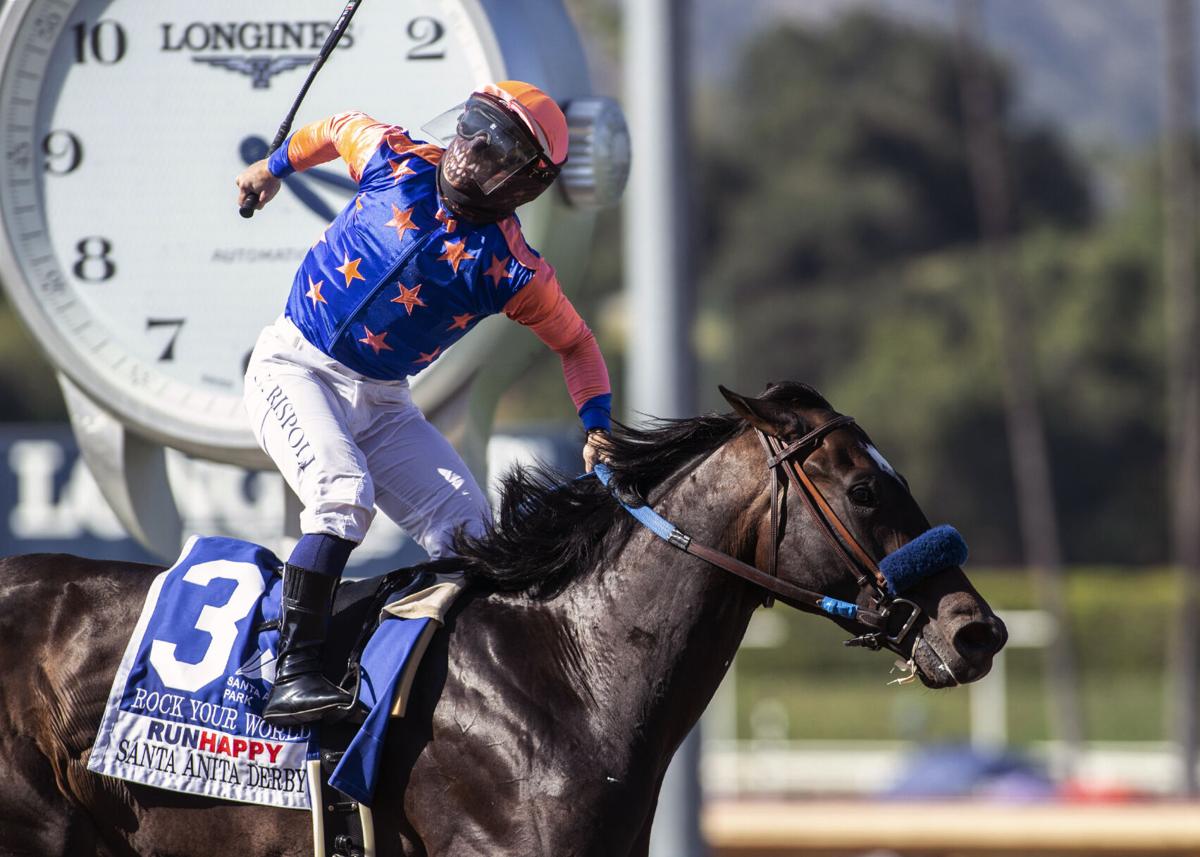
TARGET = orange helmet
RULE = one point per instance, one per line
(539, 113)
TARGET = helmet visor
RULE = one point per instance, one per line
(500, 146)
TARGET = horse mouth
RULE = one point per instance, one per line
(934, 670)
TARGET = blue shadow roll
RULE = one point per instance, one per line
(936, 549)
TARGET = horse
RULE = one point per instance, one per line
(581, 655)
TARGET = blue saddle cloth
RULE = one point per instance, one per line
(185, 709)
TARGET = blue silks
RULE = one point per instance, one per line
(934, 550)
(383, 663)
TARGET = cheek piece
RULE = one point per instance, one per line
(931, 552)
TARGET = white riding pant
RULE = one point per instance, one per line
(346, 443)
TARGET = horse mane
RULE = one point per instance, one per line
(550, 527)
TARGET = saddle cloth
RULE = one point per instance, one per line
(185, 709)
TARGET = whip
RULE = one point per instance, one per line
(285, 127)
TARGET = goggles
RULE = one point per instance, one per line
(507, 148)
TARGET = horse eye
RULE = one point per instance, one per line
(862, 495)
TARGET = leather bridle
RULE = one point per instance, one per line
(887, 625)
(785, 464)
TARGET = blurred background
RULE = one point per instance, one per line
(971, 225)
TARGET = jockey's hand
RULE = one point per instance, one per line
(256, 178)
(596, 449)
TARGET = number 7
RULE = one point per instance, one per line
(168, 353)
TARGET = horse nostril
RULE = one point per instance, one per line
(979, 638)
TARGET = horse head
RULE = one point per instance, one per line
(863, 505)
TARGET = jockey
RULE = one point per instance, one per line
(428, 247)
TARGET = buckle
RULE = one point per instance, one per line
(909, 623)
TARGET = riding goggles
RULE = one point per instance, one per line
(500, 145)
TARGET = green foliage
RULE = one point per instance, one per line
(1120, 621)
(840, 235)
(28, 387)
(847, 151)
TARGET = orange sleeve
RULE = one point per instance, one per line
(353, 136)
(543, 308)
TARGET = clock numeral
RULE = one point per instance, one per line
(64, 152)
(93, 264)
(45, 26)
(168, 353)
(427, 32)
(104, 42)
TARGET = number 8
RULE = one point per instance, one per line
(219, 622)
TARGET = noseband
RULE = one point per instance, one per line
(784, 463)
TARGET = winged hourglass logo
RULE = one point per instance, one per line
(260, 68)
(260, 666)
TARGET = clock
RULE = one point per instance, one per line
(123, 126)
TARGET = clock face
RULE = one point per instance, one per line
(124, 124)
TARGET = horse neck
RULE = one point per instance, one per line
(659, 626)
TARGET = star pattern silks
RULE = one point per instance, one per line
(455, 252)
(400, 169)
(402, 221)
(409, 297)
(461, 321)
(314, 292)
(498, 270)
(375, 340)
(349, 269)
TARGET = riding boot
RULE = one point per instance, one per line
(301, 693)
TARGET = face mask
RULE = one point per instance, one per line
(463, 192)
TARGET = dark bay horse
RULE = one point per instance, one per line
(545, 718)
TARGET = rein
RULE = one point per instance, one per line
(789, 458)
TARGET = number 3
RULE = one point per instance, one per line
(219, 622)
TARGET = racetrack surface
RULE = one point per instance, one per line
(949, 829)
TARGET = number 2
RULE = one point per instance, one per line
(220, 623)
(426, 32)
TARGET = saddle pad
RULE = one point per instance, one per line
(185, 708)
(389, 663)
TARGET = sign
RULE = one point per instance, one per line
(50, 503)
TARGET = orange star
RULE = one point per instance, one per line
(409, 297)
(400, 169)
(428, 358)
(455, 252)
(402, 220)
(349, 269)
(358, 202)
(314, 292)
(375, 340)
(443, 217)
(498, 271)
(460, 321)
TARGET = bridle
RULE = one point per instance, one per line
(785, 465)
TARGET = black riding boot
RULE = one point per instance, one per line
(301, 693)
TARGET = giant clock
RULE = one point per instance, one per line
(123, 124)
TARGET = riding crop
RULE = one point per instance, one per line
(285, 126)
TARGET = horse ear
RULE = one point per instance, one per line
(766, 416)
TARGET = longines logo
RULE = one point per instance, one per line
(261, 69)
(223, 44)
